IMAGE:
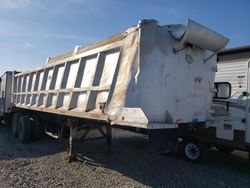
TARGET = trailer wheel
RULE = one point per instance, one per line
(193, 150)
(14, 124)
(24, 129)
(225, 149)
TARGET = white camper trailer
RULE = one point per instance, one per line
(149, 78)
(229, 127)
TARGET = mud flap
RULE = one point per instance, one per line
(162, 140)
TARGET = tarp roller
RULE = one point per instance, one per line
(199, 35)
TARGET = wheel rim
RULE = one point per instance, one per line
(192, 151)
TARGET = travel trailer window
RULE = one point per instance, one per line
(222, 90)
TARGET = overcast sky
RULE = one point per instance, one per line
(32, 30)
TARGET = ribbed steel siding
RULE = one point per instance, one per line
(79, 85)
(234, 72)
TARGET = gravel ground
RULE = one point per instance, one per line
(43, 164)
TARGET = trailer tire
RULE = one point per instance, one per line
(193, 150)
(225, 149)
(24, 129)
(14, 124)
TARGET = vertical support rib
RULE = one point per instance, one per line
(38, 89)
(75, 83)
(117, 68)
(91, 96)
(27, 88)
(34, 79)
(61, 84)
(21, 88)
(22, 92)
(47, 94)
(43, 85)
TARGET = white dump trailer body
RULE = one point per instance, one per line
(148, 76)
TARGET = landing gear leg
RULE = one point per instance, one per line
(72, 140)
(79, 133)
(109, 138)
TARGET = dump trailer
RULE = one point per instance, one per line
(148, 78)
